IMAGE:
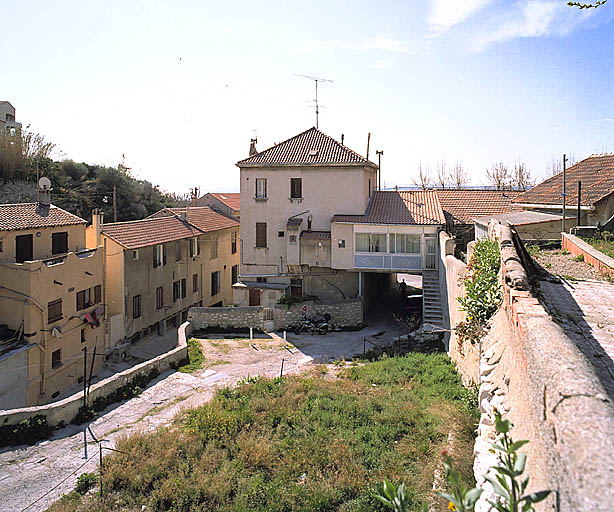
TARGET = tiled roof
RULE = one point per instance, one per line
(596, 174)
(402, 207)
(202, 217)
(521, 218)
(151, 231)
(230, 199)
(35, 215)
(294, 221)
(315, 235)
(312, 147)
(460, 206)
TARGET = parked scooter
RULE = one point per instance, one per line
(319, 325)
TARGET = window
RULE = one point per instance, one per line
(135, 254)
(296, 287)
(281, 234)
(341, 244)
(296, 188)
(84, 299)
(370, 242)
(83, 335)
(54, 311)
(194, 247)
(369, 187)
(213, 253)
(184, 288)
(233, 242)
(235, 274)
(194, 283)
(176, 291)
(1, 250)
(59, 243)
(159, 297)
(178, 250)
(97, 294)
(260, 234)
(159, 255)
(406, 244)
(56, 358)
(261, 192)
(215, 282)
(136, 306)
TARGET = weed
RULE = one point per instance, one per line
(579, 257)
(85, 482)
(196, 358)
(565, 252)
(28, 431)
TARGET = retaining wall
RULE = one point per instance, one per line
(346, 313)
(65, 410)
(532, 371)
(592, 256)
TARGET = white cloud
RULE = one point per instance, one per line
(384, 44)
(447, 13)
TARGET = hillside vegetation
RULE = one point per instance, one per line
(77, 187)
(300, 443)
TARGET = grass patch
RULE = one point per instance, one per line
(301, 443)
(604, 246)
(196, 358)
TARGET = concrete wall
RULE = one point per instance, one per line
(14, 378)
(592, 256)
(65, 410)
(347, 313)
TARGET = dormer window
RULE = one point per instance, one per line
(313, 152)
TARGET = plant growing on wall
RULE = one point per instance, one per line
(482, 290)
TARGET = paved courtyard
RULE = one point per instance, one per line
(585, 309)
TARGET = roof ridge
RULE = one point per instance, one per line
(124, 222)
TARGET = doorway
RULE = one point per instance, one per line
(430, 252)
(23, 248)
(254, 297)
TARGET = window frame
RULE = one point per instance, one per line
(184, 288)
(56, 362)
(234, 278)
(54, 242)
(159, 297)
(372, 245)
(176, 290)
(233, 242)
(213, 254)
(296, 188)
(194, 283)
(261, 239)
(394, 243)
(261, 191)
(136, 306)
(215, 283)
(58, 314)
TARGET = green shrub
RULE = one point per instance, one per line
(579, 257)
(28, 431)
(196, 358)
(290, 299)
(85, 482)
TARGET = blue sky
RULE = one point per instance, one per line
(180, 87)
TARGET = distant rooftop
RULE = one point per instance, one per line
(35, 215)
(202, 217)
(230, 199)
(460, 206)
(311, 147)
(520, 218)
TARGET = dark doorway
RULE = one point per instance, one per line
(23, 248)
(254, 297)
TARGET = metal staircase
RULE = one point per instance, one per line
(432, 312)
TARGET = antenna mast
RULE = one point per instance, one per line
(316, 80)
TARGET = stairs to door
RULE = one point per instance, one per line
(432, 312)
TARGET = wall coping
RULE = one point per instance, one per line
(589, 249)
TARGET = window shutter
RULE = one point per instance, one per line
(261, 229)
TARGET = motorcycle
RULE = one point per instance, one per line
(319, 324)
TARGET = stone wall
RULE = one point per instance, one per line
(346, 313)
(63, 411)
(533, 372)
(592, 256)
(465, 355)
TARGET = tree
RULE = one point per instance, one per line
(521, 180)
(442, 174)
(424, 177)
(580, 5)
(499, 176)
(555, 165)
(458, 175)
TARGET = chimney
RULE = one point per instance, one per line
(44, 191)
(252, 147)
(342, 138)
(97, 223)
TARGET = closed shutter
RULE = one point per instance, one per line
(261, 234)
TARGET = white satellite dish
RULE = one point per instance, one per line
(44, 183)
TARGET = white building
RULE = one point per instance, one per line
(7, 118)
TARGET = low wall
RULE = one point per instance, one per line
(346, 313)
(592, 256)
(465, 355)
(65, 410)
(535, 374)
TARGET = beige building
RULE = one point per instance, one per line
(313, 223)
(224, 202)
(51, 303)
(7, 118)
(157, 268)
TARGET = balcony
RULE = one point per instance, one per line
(385, 261)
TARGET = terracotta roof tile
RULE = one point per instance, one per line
(230, 199)
(202, 217)
(151, 231)
(315, 235)
(596, 174)
(402, 207)
(312, 147)
(35, 215)
(460, 206)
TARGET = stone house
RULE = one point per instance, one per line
(7, 118)
(224, 202)
(51, 303)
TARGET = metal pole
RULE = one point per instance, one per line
(281, 373)
(579, 200)
(114, 203)
(317, 110)
(101, 472)
(379, 168)
(85, 376)
(564, 189)
(89, 382)
(85, 443)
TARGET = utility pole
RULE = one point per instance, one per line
(564, 189)
(84, 377)
(379, 154)
(114, 203)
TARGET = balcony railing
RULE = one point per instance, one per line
(385, 261)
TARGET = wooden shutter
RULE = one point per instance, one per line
(261, 234)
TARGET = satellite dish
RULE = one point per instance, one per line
(44, 183)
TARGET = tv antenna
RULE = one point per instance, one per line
(316, 80)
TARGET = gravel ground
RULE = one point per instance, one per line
(28, 472)
(557, 263)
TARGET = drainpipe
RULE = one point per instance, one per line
(579, 200)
